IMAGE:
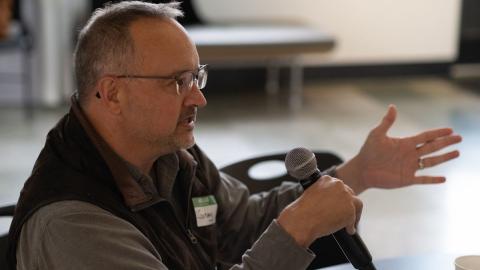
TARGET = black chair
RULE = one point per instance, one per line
(5, 211)
(327, 250)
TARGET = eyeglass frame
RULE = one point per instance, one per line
(195, 78)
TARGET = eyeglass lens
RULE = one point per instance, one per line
(186, 80)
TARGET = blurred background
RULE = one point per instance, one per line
(318, 74)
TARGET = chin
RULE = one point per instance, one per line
(186, 143)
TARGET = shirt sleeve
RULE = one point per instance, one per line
(247, 222)
(275, 249)
(79, 235)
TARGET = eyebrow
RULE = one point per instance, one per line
(176, 73)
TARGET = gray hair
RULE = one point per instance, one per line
(105, 45)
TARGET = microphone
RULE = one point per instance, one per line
(301, 164)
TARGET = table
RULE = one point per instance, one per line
(267, 45)
(421, 262)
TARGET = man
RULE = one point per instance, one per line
(120, 183)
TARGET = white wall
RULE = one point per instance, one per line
(367, 31)
(54, 27)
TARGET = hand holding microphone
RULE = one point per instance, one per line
(326, 206)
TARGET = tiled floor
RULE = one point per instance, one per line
(336, 116)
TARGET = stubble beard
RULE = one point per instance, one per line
(174, 142)
(184, 142)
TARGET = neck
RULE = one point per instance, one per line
(143, 160)
(140, 156)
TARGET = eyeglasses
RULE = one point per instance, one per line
(184, 81)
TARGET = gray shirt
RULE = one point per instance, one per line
(79, 235)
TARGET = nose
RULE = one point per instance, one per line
(195, 97)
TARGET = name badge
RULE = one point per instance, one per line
(205, 210)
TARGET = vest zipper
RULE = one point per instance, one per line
(186, 229)
(192, 237)
(189, 234)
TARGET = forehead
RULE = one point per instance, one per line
(162, 45)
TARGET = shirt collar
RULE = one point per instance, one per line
(138, 190)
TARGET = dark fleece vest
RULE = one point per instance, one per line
(70, 167)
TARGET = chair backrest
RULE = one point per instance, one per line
(240, 170)
(326, 248)
(5, 211)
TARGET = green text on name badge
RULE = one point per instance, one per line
(205, 210)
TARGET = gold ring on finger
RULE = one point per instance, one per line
(421, 166)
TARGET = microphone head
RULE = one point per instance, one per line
(300, 163)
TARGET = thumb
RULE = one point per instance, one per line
(387, 120)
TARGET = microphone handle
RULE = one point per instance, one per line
(354, 249)
(352, 246)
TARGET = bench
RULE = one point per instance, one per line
(272, 46)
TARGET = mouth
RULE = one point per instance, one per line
(189, 120)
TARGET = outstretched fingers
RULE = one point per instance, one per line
(428, 179)
(431, 135)
(438, 144)
(435, 160)
(387, 120)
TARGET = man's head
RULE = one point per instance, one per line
(132, 59)
(105, 44)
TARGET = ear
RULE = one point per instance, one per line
(108, 90)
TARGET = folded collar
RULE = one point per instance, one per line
(137, 189)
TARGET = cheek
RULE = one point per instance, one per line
(155, 114)
(164, 115)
